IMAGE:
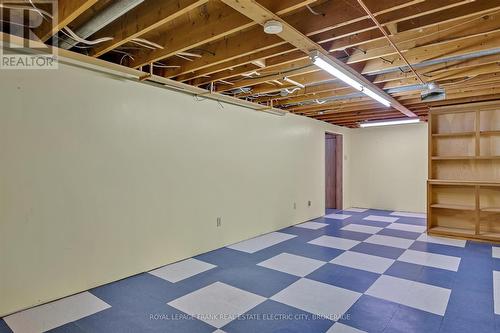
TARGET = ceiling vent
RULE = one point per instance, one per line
(432, 92)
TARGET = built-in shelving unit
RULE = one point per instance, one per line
(464, 171)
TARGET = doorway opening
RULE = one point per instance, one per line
(333, 171)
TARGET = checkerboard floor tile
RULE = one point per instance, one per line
(352, 271)
(258, 243)
(381, 218)
(318, 298)
(398, 242)
(292, 264)
(363, 261)
(182, 270)
(334, 242)
(217, 304)
(431, 260)
(312, 225)
(406, 214)
(338, 216)
(362, 228)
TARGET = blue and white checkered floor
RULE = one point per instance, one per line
(350, 271)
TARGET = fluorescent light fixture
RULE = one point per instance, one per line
(335, 72)
(390, 122)
(331, 67)
(376, 96)
(300, 85)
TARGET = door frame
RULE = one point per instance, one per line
(339, 159)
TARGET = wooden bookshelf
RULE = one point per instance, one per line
(463, 190)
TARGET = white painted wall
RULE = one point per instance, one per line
(389, 167)
(102, 178)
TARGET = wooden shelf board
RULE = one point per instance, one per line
(490, 235)
(491, 209)
(493, 132)
(452, 231)
(463, 182)
(438, 135)
(455, 207)
(453, 157)
(436, 158)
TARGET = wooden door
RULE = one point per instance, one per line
(330, 178)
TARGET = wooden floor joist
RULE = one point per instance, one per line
(454, 43)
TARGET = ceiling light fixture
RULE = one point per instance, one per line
(329, 66)
(389, 122)
(273, 27)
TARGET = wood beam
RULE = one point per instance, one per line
(67, 11)
(343, 33)
(144, 18)
(336, 14)
(431, 52)
(260, 14)
(206, 29)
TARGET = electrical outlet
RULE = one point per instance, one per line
(294, 205)
(309, 203)
(219, 221)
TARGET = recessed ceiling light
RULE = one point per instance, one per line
(273, 27)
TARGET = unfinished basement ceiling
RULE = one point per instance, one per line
(211, 44)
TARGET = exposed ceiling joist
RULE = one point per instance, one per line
(67, 11)
(260, 14)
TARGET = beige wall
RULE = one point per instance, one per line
(102, 178)
(389, 167)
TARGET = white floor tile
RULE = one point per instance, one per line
(496, 291)
(337, 216)
(398, 242)
(406, 214)
(495, 252)
(431, 260)
(442, 240)
(407, 227)
(312, 225)
(182, 270)
(217, 304)
(361, 228)
(292, 264)
(363, 261)
(261, 242)
(341, 328)
(51, 315)
(410, 293)
(317, 298)
(378, 218)
(356, 210)
(334, 242)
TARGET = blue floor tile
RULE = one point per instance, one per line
(399, 233)
(359, 236)
(454, 251)
(428, 275)
(344, 277)
(377, 224)
(159, 318)
(271, 316)
(378, 250)
(139, 303)
(409, 320)
(4, 328)
(370, 314)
